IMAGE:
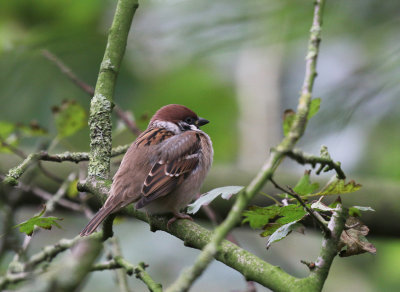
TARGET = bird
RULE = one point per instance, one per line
(163, 169)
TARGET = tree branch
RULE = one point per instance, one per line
(101, 104)
(329, 249)
(68, 274)
(68, 72)
(139, 271)
(142, 275)
(325, 162)
(21, 272)
(10, 278)
(15, 173)
(49, 207)
(188, 276)
(312, 213)
(197, 237)
(51, 251)
(127, 267)
(215, 220)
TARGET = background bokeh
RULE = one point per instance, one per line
(239, 64)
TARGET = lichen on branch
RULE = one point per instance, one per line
(101, 104)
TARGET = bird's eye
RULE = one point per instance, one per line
(189, 120)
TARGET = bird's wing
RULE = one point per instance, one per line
(153, 136)
(179, 156)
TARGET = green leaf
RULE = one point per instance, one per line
(288, 119)
(205, 199)
(282, 232)
(289, 115)
(33, 130)
(72, 190)
(260, 217)
(337, 187)
(304, 186)
(288, 214)
(37, 220)
(69, 118)
(11, 134)
(314, 107)
(355, 211)
(6, 129)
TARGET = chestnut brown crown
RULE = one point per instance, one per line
(174, 113)
(177, 113)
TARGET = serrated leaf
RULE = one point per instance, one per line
(314, 107)
(282, 232)
(337, 187)
(69, 118)
(353, 241)
(304, 186)
(72, 190)
(288, 119)
(28, 226)
(287, 214)
(260, 217)
(205, 199)
(355, 211)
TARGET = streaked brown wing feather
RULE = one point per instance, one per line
(153, 136)
(168, 173)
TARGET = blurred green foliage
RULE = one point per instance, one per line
(184, 52)
(382, 156)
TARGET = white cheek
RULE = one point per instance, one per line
(167, 125)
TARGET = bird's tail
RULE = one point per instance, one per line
(96, 220)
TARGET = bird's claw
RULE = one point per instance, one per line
(178, 216)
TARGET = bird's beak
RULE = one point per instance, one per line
(201, 122)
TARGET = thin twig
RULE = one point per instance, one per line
(12, 278)
(121, 274)
(69, 273)
(215, 220)
(50, 204)
(123, 116)
(22, 155)
(15, 173)
(51, 251)
(326, 163)
(46, 255)
(39, 192)
(272, 198)
(68, 72)
(293, 194)
(13, 149)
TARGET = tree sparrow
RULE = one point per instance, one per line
(164, 168)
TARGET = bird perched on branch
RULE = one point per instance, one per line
(164, 168)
